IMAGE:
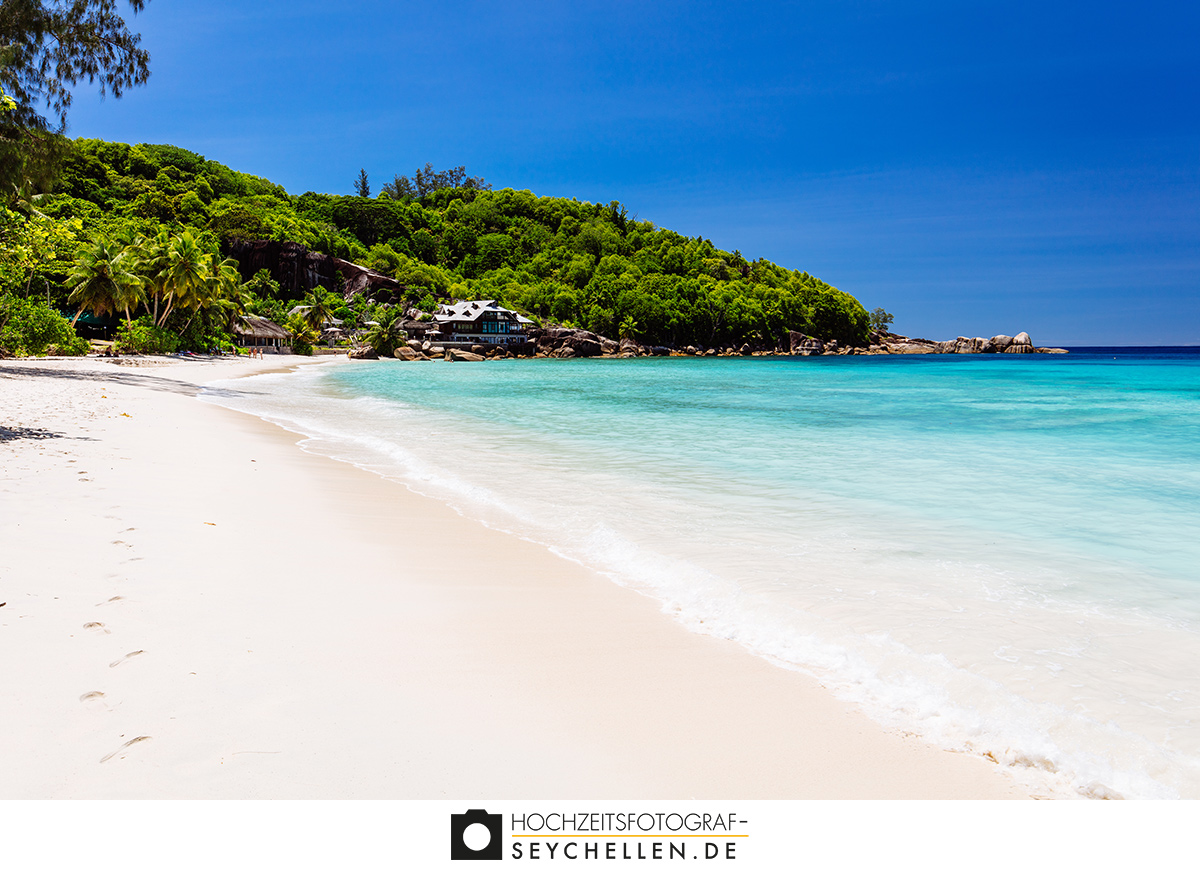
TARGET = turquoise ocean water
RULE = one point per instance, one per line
(1000, 554)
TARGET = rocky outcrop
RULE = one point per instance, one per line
(804, 346)
(299, 270)
(404, 352)
(1021, 344)
(963, 345)
(896, 344)
(464, 356)
(522, 349)
(363, 353)
(581, 342)
(584, 346)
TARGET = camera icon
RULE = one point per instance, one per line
(476, 835)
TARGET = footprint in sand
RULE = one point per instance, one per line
(97, 627)
(95, 701)
(120, 751)
(124, 659)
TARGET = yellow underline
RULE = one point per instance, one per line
(664, 837)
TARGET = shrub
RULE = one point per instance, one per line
(32, 328)
(142, 337)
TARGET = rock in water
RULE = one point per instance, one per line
(963, 345)
(803, 345)
(583, 346)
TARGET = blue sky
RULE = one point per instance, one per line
(974, 168)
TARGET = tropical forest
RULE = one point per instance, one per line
(140, 243)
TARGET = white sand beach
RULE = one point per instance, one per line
(194, 607)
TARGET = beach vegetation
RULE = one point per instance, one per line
(144, 337)
(30, 327)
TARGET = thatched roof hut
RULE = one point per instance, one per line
(255, 331)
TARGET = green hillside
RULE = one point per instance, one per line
(581, 264)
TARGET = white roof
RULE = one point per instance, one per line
(469, 310)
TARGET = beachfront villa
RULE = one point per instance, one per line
(480, 322)
(257, 332)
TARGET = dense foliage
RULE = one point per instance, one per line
(30, 327)
(583, 264)
(142, 337)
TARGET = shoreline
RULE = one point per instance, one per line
(280, 624)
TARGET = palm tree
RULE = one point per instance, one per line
(301, 332)
(227, 279)
(318, 308)
(104, 280)
(225, 273)
(152, 263)
(184, 275)
(384, 337)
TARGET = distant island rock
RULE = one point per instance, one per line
(892, 343)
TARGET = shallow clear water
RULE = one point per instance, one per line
(999, 553)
